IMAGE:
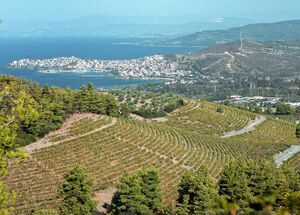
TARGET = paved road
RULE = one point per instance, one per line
(287, 154)
(250, 127)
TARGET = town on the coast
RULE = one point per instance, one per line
(148, 67)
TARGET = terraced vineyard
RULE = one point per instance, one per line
(205, 119)
(190, 138)
(294, 161)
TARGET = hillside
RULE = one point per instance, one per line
(265, 69)
(257, 57)
(279, 31)
(192, 136)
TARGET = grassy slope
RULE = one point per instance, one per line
(189, 139)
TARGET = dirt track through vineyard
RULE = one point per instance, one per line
(250, 127)
(45, 143)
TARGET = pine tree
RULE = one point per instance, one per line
(261, 177)
(111, 106)
(76, 194)
(293, 178)
(125, 110)
(16, 107)
(150, 183)
(197, 193)
(233, 184)
(292, 202)
(129, 198)
(283, 109)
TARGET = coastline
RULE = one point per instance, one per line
(147, 68)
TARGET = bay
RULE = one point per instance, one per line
(85, 48)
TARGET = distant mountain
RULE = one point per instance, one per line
(279, 31)
(121, 27)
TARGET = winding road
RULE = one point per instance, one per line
(285, 155)
(250, 127)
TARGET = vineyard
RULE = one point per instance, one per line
(294, 161)
(190, 138)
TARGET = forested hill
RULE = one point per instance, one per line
(50, 106)
(279, 31)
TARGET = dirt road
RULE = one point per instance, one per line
(250, 127)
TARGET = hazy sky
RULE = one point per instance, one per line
(53, 10)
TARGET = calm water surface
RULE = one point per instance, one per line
(101, 49)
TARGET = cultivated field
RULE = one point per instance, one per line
(191, 137)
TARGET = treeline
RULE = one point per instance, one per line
(280, 109)
(239, 84)
(150, 114)
(252, 188)
(146, 104)
(52, 105)
(159, 112)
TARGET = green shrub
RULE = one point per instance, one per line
(220, 110)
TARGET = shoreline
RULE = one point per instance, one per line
(90, 73)
(150, 67)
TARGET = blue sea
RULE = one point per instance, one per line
(85, 48)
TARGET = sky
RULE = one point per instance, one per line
(64, 10)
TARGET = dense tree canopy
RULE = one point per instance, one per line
(283, 109)
(233, 183)
(76, 194)
(197, 193)
(16, 107)
(257, 187)
(138, 194)
(52, 105)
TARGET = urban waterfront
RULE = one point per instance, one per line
(84, 48)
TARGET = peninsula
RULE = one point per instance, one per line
(148, 67)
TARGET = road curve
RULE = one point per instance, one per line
(285, 155)
(250, 127)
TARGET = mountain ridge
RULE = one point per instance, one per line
(277, 31)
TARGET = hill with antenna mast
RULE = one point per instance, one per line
(278, 31)
(269, 67)
(250, 56)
